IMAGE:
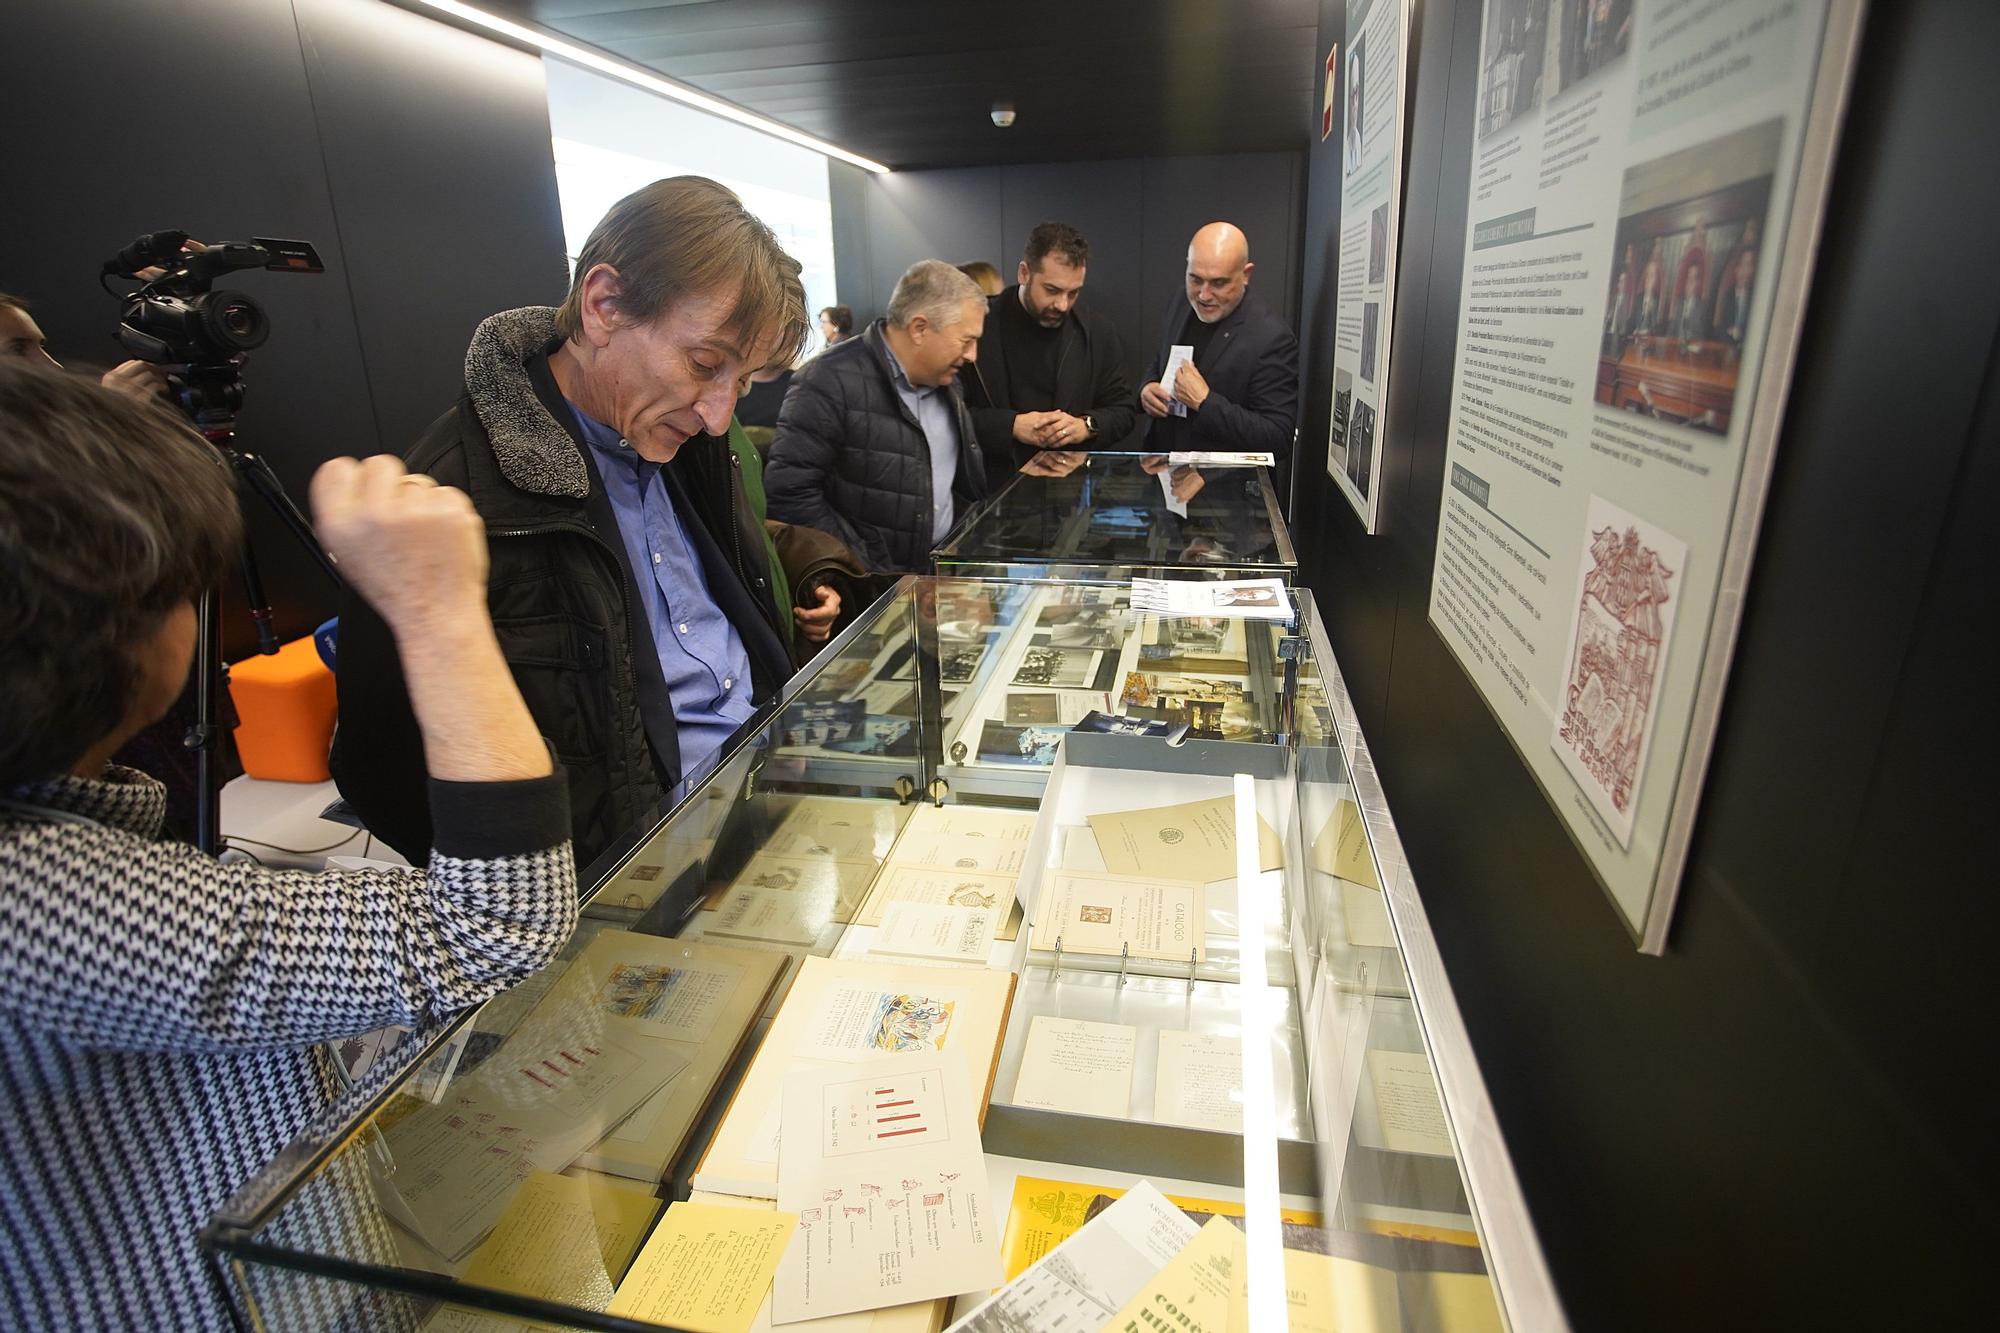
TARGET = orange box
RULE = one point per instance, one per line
(285, 706)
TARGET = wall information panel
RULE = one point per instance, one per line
(1371, 203)
(1647, 178)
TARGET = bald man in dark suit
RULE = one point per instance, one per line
(1241, 390)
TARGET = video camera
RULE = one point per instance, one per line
(176, 319)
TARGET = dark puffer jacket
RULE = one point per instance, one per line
(850, 459)
(560, 596)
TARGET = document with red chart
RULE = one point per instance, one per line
(882, 1162)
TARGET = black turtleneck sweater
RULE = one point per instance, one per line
(1031, 357)
(1198, 336)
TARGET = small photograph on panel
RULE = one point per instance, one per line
(1343, 406)
(1587, 36)
(1371, 322)
(1353, 141)
(1361, 449)
(1378, 244)
(1687, 261)
(1517, 60)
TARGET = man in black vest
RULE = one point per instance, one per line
(1050, 372)
(1240, 391)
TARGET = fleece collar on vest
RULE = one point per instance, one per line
(534, 451)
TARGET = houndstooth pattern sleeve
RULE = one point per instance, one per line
(120, 942)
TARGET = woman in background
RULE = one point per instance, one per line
(835, 322)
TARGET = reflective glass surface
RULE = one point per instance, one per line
(1109, 519)
(1172, 957)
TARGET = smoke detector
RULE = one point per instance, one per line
(1003, 114)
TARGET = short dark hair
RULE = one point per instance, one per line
(842, 317)
(1059, 237)
(112, 513)
(688, 236)
(9, 301)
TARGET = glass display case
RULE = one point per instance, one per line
(1110, 519)
(1174, 974)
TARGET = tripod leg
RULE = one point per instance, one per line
(260, 609)
(261, 479)
(202, 736)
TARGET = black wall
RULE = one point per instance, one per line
(1138, 214)
(415, 156)
(1775, 1124)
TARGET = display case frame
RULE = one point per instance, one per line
(1037, 527)
(1340, 999)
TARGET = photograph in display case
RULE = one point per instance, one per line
(1173, 644)
(820, 723)
(1000, 743)
(1071, 668)
(1051, 707)
(959, 663)
(879, 735)
(1210, 706)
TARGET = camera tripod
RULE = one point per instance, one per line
(218, 427)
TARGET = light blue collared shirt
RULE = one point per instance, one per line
(701, 655)
(931, 405)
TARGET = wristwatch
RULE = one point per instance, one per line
(1089, 425)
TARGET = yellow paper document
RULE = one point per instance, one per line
(1195, 841)
(1194, 1293)
(706, 1268)
(1328, 1295)
(563, 1239)
(1205, 1290)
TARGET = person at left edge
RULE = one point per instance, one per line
(630, 587)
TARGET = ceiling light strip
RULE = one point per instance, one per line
(640, 77)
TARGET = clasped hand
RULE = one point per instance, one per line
(1049, 430)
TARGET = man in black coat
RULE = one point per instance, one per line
(874, 444)
(629, 583)
(1240, 392)
(1051, 371)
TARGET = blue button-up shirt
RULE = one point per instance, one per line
(931, 405)
(701, 655)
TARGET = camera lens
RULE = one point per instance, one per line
(233, 321)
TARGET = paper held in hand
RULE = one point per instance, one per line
(1243, 599)
(1178, 355)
